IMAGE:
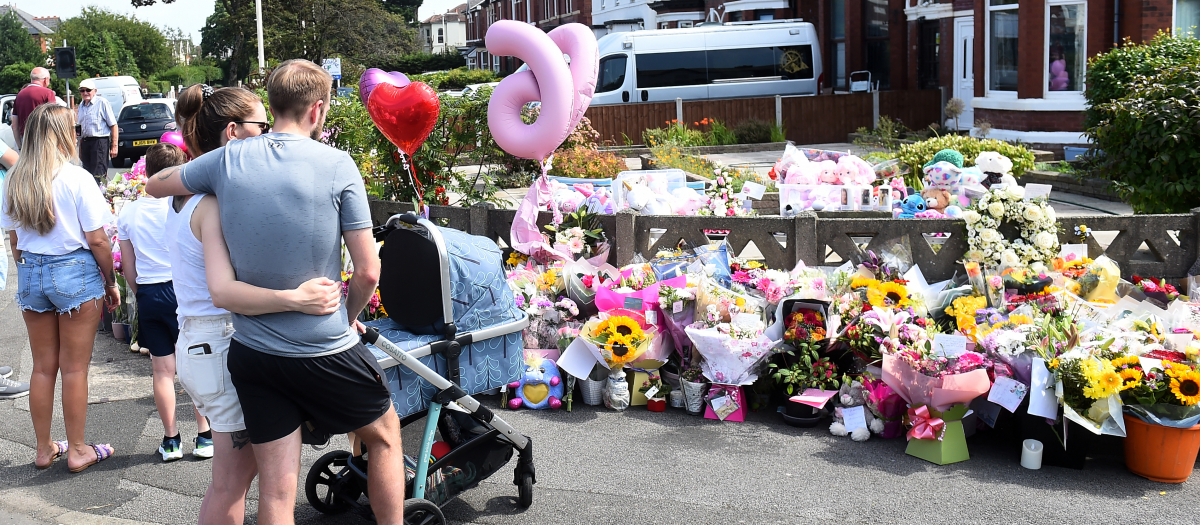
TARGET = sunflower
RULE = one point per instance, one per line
(1186, 387)
(623, 327)
(1130, 377)
(888, 294)
(863, 282)
(620, 348)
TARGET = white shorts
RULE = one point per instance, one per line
(201, 360)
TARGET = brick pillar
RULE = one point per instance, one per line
(912, 50)
(1156, 16)
(1099, 26)
(898, 39)
(1031, 51)
(855, 59)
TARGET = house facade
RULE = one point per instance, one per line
(545, 14)
(445, 32)
(41, 29)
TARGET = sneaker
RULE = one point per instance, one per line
(170, 449)
(204, 448)
(5, 372)
(10, 389)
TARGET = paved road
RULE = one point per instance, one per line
(594, 466)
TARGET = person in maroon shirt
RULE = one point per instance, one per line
(34, 94)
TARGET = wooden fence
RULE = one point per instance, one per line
(1148, 245)
(808, 120)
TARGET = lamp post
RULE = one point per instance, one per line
(262, 61)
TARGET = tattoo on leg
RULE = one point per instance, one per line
(240, 439)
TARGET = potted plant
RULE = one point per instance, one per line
(693, 390)
(656, 391)
(1162, 408)
(803, 366)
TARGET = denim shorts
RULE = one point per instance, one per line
(58, 282)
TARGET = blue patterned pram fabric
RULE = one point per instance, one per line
(481, 298)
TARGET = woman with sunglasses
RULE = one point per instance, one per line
(207, 290)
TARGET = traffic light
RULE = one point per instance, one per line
(64, 62)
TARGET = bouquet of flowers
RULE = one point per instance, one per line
(619, 338)
(924, 378)
(1169, 396)
(732, 350)
(129, 185)
(1088, 388)
(1099, 283)
(541, 294)
(1035, 219)
(721, 200)
(1158, 289)
(581, 235)
(709, 293)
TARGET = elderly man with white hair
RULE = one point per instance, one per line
(97, 130)
(34, 94)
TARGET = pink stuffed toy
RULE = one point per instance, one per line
(854, 170)
(828, 172)
(802, 173)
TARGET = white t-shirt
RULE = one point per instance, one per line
(78, 207)
(144, 223)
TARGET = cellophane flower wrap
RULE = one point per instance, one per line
(1168, 396)
(733, 351)
(921, 378)
(540, 292)
(621, 339)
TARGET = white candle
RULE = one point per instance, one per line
(1031, 454)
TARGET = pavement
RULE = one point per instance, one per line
(593, 466)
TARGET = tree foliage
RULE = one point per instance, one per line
(104, 54)
(146, 44)
(415, 63)
(361, 30)
(404, 8)
(16, 46)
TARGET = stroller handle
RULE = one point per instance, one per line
(409, 218)
(371, 335)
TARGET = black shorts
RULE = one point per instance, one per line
(94, 155)
(158, 325)
(338, 393)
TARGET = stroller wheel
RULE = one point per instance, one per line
(525, 491)
(422, 512)
(330, 487)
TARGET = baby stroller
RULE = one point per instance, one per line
(434, 359)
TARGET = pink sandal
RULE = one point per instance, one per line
(60, 449)
(103, 452)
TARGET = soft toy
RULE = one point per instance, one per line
(853, 170)
(642, 199)
(567, 200)
(937, 199)
(597, 199)
(946, 155)
(803, 173)
(827, 172)
(996, 168)
(943, 174)
(852, 395)
(687, 201)
(540, 386)
(911, 206)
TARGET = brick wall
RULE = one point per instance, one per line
(1156, 15)
(964, 5)
(1031, 50)
(980, 42)
(1032, 120)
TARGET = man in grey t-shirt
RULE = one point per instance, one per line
(287, 202)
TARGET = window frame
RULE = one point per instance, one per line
(833, 49)
(886, 39)
(1175, 21)
(987, 50)
(601, 71)
(1046, 93)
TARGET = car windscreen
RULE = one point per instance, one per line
(145, 112)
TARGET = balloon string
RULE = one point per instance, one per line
(422, 208)
(558, 218)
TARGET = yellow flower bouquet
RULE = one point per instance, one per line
(620, 339)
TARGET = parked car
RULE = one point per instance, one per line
(119, 91)
(140, 126)
(154, 95)
(711, 61)
(7, 103)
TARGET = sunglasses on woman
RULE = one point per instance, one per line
(264, 126)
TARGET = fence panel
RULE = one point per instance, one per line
(915, 108)
(619, 121)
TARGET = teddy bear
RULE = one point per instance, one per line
(853, 170)
(540, 387)
(996, 168)
(802, 173)
(937, 199)
(852, 394)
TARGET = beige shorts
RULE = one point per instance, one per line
(201, 360)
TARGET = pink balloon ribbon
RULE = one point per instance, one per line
(924, 425)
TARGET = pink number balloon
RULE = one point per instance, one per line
(547, 80)
(579, 43)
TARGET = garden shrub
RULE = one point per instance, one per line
(455, 79)
(917, 154)
(753, 131)
(1110, 74)
(1149, 139)
(587, 163)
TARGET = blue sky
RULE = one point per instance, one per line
(187, 15)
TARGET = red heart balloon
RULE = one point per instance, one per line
(405, 115)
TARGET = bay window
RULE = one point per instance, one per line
(1066, 45)
(1002, 34)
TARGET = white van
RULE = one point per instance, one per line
(731, 60)
(119, 91)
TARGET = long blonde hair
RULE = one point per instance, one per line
(49, 144)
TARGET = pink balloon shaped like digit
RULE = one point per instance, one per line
(579, 43)
(547, 80)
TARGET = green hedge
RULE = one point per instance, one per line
(1109, 75)
(416, 63)
(456, 79)
(916, 155)
(1149, 139)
